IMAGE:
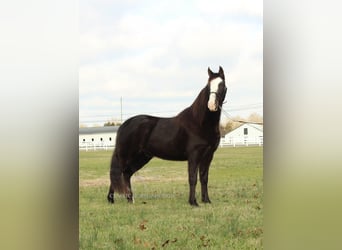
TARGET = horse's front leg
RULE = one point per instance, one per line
(204, 171)
(192, 172)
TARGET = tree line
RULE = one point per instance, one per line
(225, 126)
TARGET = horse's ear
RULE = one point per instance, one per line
(221, 73)
(210, 73)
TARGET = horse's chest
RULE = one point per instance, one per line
(205, 139)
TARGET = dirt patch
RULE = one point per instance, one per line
(104, 181)
(95, 182)
(157, 178)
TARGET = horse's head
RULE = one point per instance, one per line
(217, 89)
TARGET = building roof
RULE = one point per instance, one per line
(97, 130)
(256, 126)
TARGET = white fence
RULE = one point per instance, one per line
(224, 142)
(242, 141)
(93, 146)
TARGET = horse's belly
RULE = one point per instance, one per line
(167, 151)
(172, 157)
(168, 143)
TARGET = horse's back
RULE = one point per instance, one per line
(137, 122)
(133, 134)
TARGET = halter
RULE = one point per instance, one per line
(218, 95)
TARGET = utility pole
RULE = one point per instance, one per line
(121, 108)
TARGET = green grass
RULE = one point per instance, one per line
(161, 216)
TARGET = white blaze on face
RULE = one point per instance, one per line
(214, 84)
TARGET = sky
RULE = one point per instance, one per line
(155, 55)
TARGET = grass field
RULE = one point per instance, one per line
(161, 216)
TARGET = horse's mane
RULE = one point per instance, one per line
(199, 106)
(199, 112)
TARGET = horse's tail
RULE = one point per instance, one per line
(116, 176)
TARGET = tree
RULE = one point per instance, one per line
(225, 128)
(255, 117)
(112, 123)
(230, 125)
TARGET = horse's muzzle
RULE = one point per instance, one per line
(212, 106)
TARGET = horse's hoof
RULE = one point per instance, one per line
(194, 203)
(206, 201)
(110, 198)
(130, 199)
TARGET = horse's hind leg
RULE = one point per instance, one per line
(110, 196)
(116, 184)
(139, 161)
(129, 193)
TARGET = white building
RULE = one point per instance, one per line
(97, 138)
(247, 134)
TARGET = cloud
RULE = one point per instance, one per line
(246, 8)
(161, 51)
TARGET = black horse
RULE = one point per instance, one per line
(192, 135)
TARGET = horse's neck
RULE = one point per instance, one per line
(201, 112)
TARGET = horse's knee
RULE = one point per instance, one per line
(193, 202)
(193, 180)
